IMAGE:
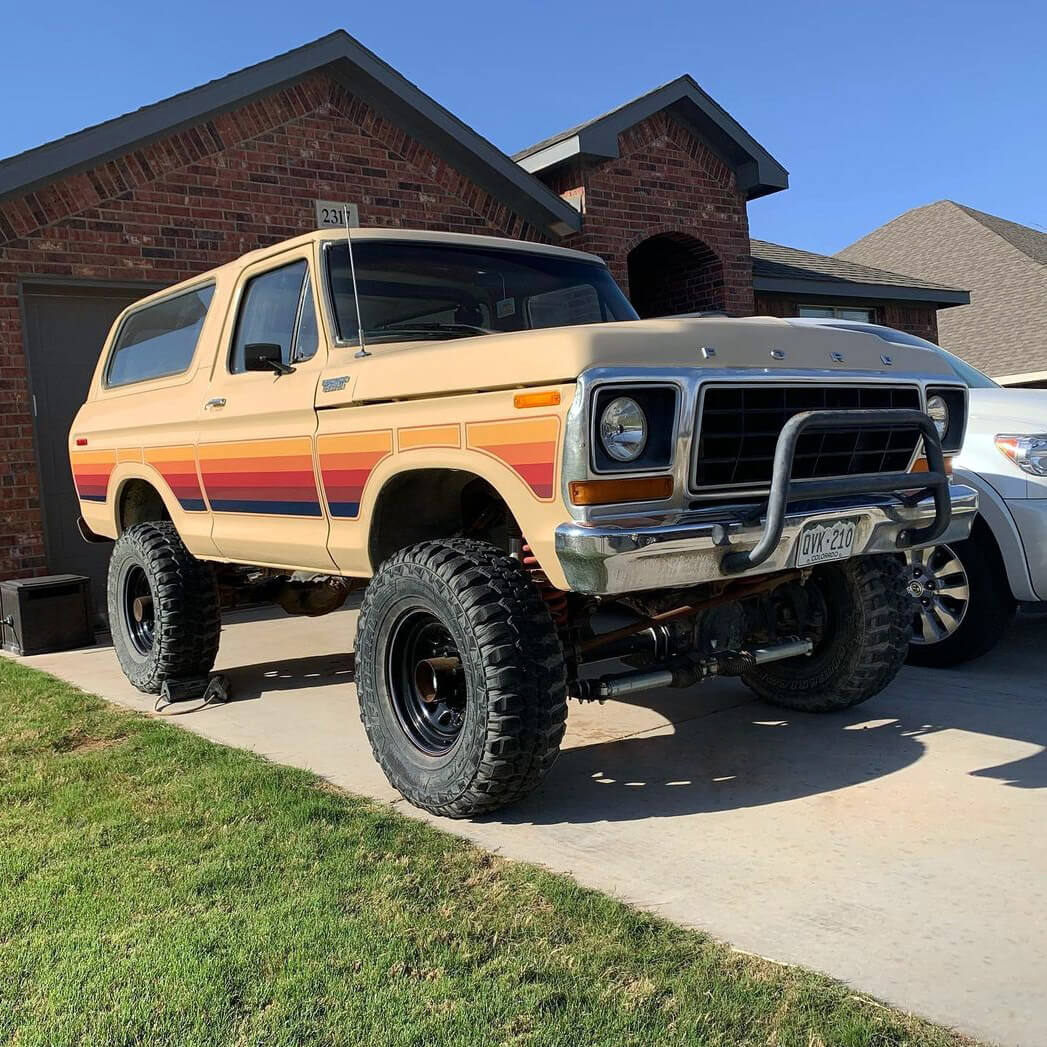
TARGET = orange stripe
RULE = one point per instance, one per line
(285, 463)
(429, 436)
(280, 447)
(523, 454)
(523, 430)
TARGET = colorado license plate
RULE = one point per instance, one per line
(823, 542)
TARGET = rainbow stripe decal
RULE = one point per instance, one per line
(527, 445)
(177, 465)
(346, 462)
(260, 476)
(91, 472)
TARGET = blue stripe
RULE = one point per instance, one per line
(93, 497)
(192, 505)
(222, 505)
(344, 508)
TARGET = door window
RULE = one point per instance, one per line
(277, 309)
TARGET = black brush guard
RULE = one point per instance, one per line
(911, 487)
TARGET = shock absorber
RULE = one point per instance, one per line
(555, 599)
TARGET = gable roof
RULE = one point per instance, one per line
(1031, 242)
(756, 171)
(346, 60)
(792, 271)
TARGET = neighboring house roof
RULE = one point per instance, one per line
(347, 61)
(1003, 332)
(1031, 242)
(756, 171)
(789, 270)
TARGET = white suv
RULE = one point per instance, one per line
(965, 594)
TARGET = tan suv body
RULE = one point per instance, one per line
(242, 412)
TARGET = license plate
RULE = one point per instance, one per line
(825, 541)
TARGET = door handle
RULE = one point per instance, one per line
(215, 401)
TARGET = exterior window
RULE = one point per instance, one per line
(159, 340)
(269, 314)
(838, 312)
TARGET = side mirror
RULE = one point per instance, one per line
(265, 356)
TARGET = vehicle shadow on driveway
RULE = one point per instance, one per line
(248, 682)
(752, 754)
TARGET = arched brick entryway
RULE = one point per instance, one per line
(675, 273)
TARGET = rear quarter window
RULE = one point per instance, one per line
(159, 340)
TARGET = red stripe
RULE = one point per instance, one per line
(344, 494)
(344, 477)
(536, 474)
(186, 490)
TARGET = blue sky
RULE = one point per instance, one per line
(873, 108)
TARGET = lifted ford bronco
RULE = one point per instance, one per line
(500, 453)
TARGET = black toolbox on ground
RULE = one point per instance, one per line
(40, 615)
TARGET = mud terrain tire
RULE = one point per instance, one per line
(177, 634)
(500, 729)
(866, 632)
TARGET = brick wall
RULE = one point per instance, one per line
(915, 317)
(193, 201)
(665, 183)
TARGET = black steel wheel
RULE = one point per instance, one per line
(163, 607)
(460, 676)
(136, 606)
(427, 686)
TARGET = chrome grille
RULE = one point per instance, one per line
(738, 428)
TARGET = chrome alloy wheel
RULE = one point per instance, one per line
(938, 585)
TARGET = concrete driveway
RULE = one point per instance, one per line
(901, 847)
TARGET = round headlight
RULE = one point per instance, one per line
(938, 409)
(623, 429)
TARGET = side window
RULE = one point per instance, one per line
(307, 337)
(269, 311)
(159, 340)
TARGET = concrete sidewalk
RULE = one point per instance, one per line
(900, 847)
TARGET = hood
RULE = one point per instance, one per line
(561, 354)
(1005, 410)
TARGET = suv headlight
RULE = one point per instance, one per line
(938, 410)
(1029, 453)
(623, 429)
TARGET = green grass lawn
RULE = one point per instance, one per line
(158, 889)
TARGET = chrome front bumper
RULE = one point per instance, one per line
(644, 552)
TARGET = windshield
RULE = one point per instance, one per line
(411, 290)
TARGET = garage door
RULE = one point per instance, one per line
(65, 328)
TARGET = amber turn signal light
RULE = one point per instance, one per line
(632, 489)
(549, 398)
(920, 466)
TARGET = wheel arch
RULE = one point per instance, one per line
(426, 502)
(995, 524)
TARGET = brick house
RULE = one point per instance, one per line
(92, 221)
(1002, 332)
